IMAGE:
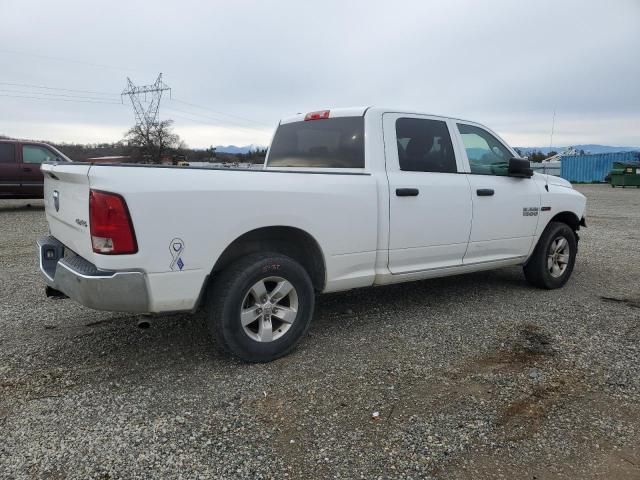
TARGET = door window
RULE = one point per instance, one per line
(35, 154)
(424, 146)
(7, 153)
(486, 154)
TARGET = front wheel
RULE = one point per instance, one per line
(260, 307)
(552, 261)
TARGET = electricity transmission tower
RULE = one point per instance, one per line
(146, 115)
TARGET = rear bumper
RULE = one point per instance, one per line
(77, 278)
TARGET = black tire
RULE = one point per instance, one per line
(536, 270)
(227, 295)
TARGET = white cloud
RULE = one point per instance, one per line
(506, 63)
(63, 132)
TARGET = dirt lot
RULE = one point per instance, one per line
(478, 376)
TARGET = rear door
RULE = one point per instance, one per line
(430, 200)
(505, 209)
(32, 157)
(9, 169)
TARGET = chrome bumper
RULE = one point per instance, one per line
(82, 281)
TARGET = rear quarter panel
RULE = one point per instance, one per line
(208, 209)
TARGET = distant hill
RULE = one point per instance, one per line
(589, 148)
(237, 150)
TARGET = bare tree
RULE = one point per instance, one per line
(154, 139)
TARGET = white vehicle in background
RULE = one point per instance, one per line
(347, 198)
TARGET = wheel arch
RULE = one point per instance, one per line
(567, 217)
(290, 241)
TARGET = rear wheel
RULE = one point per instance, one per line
(552, 261)
(260, 307)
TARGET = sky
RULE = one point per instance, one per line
(236, 67)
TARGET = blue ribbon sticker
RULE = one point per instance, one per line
(176, 247)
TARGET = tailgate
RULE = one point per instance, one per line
(66, 201)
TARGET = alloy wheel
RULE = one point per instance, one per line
(269, 309)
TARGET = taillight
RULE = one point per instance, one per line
(321, 115)
(111, 228)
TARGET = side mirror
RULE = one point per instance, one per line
(519, 167)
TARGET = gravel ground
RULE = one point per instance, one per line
(477, 376)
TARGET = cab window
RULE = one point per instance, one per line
(35, 154)
(329, 143)
(487, 156)
(424, 146)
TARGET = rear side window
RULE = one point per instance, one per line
(487, 156)
(34, 154)
(7, 153)
(424, 146)
(329, 143)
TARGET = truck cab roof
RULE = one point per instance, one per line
(361, 110)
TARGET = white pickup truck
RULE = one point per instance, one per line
(346, 198)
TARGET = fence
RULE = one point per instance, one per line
(552, 168)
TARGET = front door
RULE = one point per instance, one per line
(430, 201)
(9, 170)
(505, 209)
(32, 157)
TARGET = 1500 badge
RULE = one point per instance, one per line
(530, 212)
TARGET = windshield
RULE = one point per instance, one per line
(59, 154)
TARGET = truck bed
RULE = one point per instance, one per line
(207, 209)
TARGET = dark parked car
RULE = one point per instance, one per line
(20, 175)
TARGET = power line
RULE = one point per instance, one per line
(215, 123)
(139, 94)
(59, 99)
(57, 88)
(69, 60)
(198, 120)
(218, 122)
(95, 92)
(46, 94)
(221, 113)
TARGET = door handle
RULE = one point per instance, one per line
(26, 169)
(407, 192)
(485, 192)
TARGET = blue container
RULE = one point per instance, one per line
(593, 168)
